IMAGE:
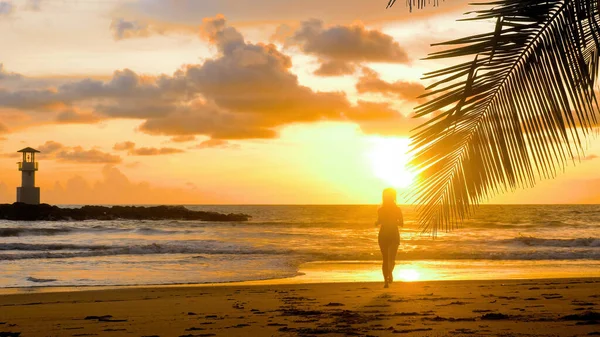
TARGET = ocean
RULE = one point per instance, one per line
(299, 244)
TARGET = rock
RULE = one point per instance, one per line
(44, 212)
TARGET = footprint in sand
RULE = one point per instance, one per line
(9, 334)
(276, 324)
(334, 304)
(412, 330)
(464, 331)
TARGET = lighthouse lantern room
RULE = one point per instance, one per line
(28, 193)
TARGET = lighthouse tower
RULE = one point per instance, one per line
(28, 193)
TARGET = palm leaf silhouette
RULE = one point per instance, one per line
(412, 3)
(518, 112)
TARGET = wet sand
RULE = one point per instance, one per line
(559, 307)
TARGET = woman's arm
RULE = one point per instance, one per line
(400, 218)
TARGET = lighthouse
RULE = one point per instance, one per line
(28, 193)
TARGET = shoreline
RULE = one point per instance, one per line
(540, 307)
(288, 281)
(327, 272)
(337, 272)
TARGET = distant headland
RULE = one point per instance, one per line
(43, 212)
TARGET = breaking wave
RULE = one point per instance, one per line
(567, 243)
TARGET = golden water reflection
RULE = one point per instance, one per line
(361, 271)
(416, 271)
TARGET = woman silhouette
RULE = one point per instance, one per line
(389, 217)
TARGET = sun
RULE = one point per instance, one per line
(389, 161)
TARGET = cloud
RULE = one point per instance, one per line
(5, 75)
(216, 143)
(50, 147)
(124, 146)
(183, 139)
(125, 95)
(341, 48)
(335, 68)
(381, 119)
(370, 82)
(247, 91)
(191, 12)
(6, 8)
(123, 29)
(77, 154)
(216, 31)
(33, 5)
(77, 190)
(151, 151)
(3, 129)
(132, 150)
(72, 117)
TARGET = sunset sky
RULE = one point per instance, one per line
(225, 101)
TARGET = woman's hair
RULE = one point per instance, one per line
(389, 196)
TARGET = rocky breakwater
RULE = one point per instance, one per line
(44, 212)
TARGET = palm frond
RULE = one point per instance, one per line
(418, 3)
(517, 113)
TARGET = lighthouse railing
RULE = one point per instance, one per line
(28, 166)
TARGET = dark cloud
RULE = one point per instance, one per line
(132, 150)
(370, 82)
(344, 47)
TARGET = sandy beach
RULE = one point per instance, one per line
(558, 307)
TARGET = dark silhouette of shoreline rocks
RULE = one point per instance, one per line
(44, 212)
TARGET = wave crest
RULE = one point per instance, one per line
(566, 243)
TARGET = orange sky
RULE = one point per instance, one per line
(225, 101)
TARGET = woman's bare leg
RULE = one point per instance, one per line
(385, 265)
(392, 250)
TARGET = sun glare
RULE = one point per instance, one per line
(408, 275)
(389, 161)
